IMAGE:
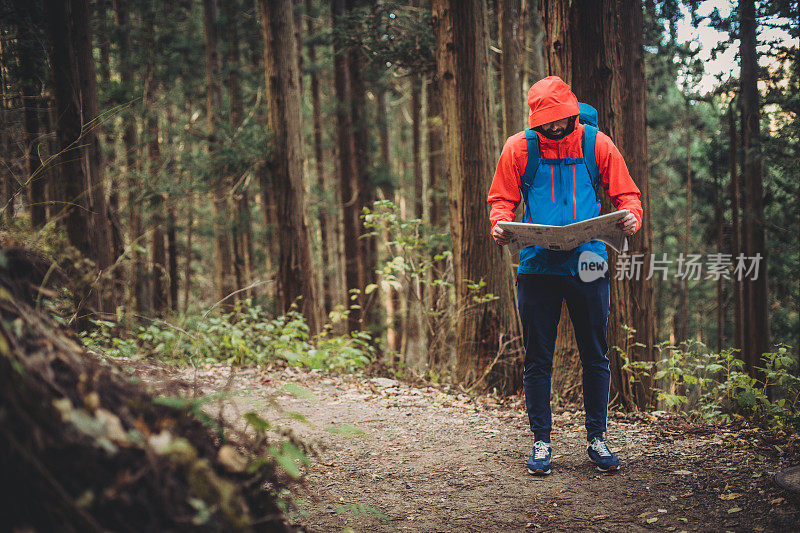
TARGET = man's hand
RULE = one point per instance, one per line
(628, 224)
(501, 236)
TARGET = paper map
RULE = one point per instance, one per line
(603, 228)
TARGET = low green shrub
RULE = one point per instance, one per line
(716, 387)
(246, 336)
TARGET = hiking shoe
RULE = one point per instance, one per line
(539, 461)
(599, 453)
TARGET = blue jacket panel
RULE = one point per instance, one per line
(558, 192)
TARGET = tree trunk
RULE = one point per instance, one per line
(567, 371)
(437, 186)
(682, 332)
(32, 62)
(364, 193)
(159, 295)
(172, 252)
(327, 265)
(84, 218)
(513, 107)
(187, 262)
(393, 303)
(736, 230)
(9, 182)
(756, 320)
(487, 331)
(100, 229)
(596, 47)
(719, 220)
(295, 275)
(346, 168)
(223, 272)
(242, 235)
(138, 296)
(534, 66)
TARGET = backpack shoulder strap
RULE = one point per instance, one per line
(589, 138)
(589, 158)
(533, 158)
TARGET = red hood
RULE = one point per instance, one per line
(551, 99)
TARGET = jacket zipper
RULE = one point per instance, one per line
(552, 184)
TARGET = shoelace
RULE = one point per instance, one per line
(540, 450)
(600, 447)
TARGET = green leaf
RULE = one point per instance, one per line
(661, 374)
(370, 288)
(296, 390)
(300, 417)
(258, 423)
(346, 430)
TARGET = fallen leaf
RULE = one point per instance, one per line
(652, 520)
(682, 472)
(729, 496)
(662, 510)
(734, 510)
(777, 501)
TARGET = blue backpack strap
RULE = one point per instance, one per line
(589, 138)
(533, 158)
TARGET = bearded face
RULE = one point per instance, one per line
(557, 129)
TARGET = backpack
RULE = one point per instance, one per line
(587, 117)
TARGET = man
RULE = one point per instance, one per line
(558, 186)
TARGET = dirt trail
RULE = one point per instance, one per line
(434, 461)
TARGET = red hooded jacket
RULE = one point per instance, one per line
(549, 100)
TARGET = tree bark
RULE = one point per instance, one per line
(223, 272)
(82, 198)
(756, 321)
(736, 230)
(347, 167)
(513, 107)
(242, 235)
(437, 186)
(487, 331)
(326, 286)
(159, 295)
(596, 47)
(364, 193)
(533, 51)
(31, 64)
(138, 296)
(92, 152)
(295, 277)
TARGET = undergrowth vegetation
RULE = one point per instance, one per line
(716, 387)
(249, 335)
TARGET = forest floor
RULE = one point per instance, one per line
(389, 456)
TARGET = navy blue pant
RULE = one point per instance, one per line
(540, 298)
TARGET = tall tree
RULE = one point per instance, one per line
(347, 167)
(736, 228)
(81, 195)
(92, 151)
(221, 186)
(159, 295)
(756, 321)
(295, 276)
(510, 34)
(485, 325)
(533, 49)
(32, 66)
(586, 46)
(327, 286)
(137, 284)
(242, 235)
